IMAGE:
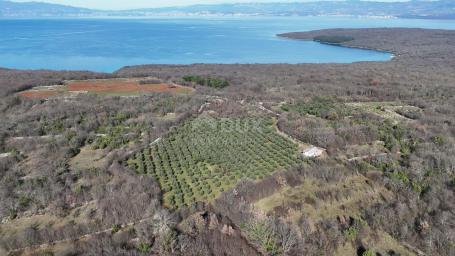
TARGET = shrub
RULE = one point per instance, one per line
(452, 181)
(438, 140)
(116, 228)
(351, 233)
(24, 202)
(207, 81)
(323, 107)
(262, 233)
(144, 248)
(368, 252)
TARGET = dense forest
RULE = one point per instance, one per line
(310, 159)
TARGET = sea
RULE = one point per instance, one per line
(105, 45)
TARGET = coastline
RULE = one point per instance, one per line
(393, 55)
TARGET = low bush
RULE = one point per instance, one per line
(207, 81)
(323, 107)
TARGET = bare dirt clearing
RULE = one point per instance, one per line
(128, 86)
(108, 87)
(38, 94)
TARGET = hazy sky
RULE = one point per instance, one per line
(129, 4)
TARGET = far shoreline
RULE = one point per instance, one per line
(393, 55)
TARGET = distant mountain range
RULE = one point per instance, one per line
(38, 9)
(443, 9)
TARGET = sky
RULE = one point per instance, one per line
(131, 4)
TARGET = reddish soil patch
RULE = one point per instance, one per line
(120, 86)
(123, 86)
(38, 94)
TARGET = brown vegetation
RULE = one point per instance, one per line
(396, 146)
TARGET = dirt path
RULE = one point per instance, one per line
(261, 107)
(366, 157)
(305, 149)
(37, 137)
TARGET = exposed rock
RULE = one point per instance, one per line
(4, 155)
(199, 221)
(313, 152)
(281, 181)
(423, 226)
(213, 221)
(5, 220)
(345, 221)
(342, 220)
(228, 230)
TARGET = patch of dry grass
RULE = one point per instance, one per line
(386, 110)
(319, 201)
(88, 159)
(377, 241)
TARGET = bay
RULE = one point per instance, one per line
(109, 44)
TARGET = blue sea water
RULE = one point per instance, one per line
(109, 44)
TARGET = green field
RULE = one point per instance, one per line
(205, 156)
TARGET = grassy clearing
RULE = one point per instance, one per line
(321, 201)
(87, 159)
(46, 221)
(388, 110)
(364, 151)
(206, 156)
(332, 109)
(318, 201)
(377, 242)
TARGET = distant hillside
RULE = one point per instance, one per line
(36, 9)
(444, 9)
(413, 9)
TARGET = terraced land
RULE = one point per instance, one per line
(206, 156)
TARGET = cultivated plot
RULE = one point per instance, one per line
(106, 87)
(206, 156)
